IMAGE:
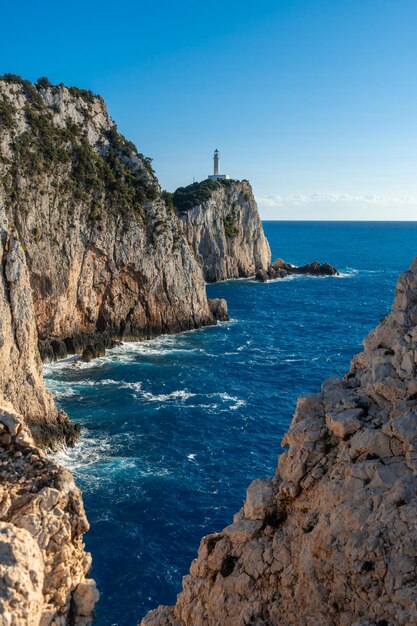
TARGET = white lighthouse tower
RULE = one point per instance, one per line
(216, 175)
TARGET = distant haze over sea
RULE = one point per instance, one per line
(337, 206)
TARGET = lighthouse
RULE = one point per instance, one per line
(216, 175)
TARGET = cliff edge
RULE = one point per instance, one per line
(331, 539)
(43, 566)
(222, 226)
(106, 253)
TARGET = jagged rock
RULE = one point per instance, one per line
(225, 231)
(21, 577)
(85, 598)
(331, 540)
(281, 269)
(262, 276)
(43, 565)
(218, 307)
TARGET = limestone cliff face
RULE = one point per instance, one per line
(20, 365)
(43, 566)
(224, 230)
(106, 254)
(331, 539)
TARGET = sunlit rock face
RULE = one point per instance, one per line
(43, 566)
(105, 249)
(225, 230)
(332, 537)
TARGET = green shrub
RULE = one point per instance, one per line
(6, 114)
(185, 198)
(87, 95)
(167, 198)
(230, 226)
(43, 82)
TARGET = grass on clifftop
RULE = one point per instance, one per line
(185, 198)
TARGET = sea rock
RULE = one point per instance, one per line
(218, 307)
(224, 231)
(281, 269)
(331, 540)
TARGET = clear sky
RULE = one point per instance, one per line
(315, 101)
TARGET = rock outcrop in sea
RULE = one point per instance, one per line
(331, 539)
(281, 269)
(222, 225)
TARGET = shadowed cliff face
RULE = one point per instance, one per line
(105, 253)
(20, 365)
(43, 566)
(225, 232)
(331, 539)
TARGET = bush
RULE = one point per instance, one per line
(167, 198)
(230, 226)
(6, 114)
(43, 83)
(87, 95)
(185, 198)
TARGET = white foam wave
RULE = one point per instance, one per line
(88, 451)
(180, 394)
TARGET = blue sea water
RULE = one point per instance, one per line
(174, 429)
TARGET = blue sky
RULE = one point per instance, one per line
(315, 101)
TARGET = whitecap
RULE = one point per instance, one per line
(180, 394)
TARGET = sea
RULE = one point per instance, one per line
(174, 429)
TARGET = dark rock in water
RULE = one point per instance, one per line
(315, 269)
(281, 269)
(218, 307)
(262, 276)
(89, 354)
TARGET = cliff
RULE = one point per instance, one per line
(331, 539)
(222, 225)
(21, 381)
(105, 250)
(43, 566)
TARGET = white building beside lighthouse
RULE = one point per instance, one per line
(216, 175)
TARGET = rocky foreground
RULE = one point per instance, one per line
(331, 539)
(43, 566)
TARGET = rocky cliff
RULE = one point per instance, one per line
(331, 539)
(43, 566)
(21, 381)
(106, 254)
(223, 227)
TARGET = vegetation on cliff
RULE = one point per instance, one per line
(185, 198)
(101, 175)
(105, 249)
